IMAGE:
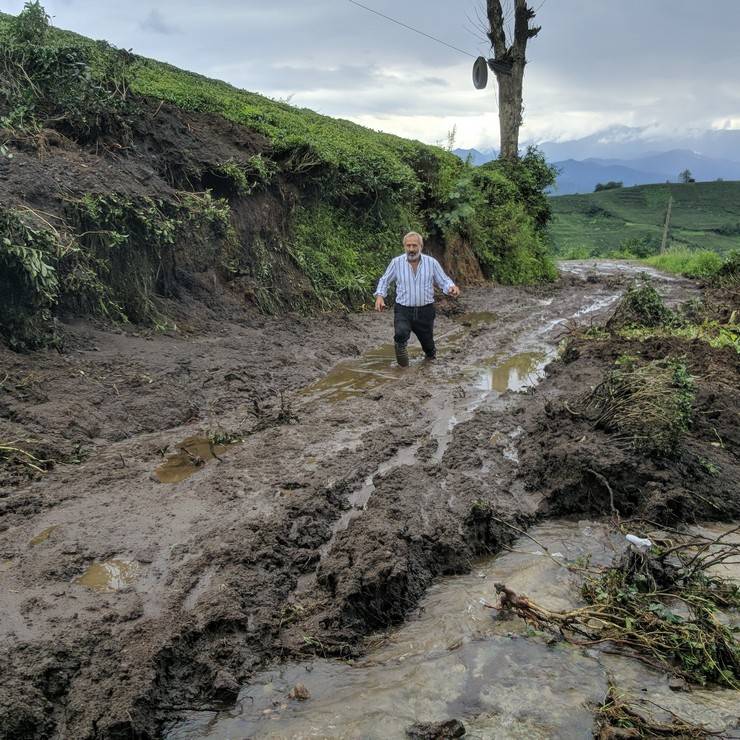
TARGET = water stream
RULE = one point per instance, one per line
(456, 658)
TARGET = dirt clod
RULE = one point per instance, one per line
(445, 730)
(299, 692)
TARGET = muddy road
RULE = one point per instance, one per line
(252, 489)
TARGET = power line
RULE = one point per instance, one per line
(411, 28)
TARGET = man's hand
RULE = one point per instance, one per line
(454, 291)
(379, 303)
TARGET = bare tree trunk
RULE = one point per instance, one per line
(510, 69)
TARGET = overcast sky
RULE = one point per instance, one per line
(668, 65)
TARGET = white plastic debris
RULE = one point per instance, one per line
(641, 543)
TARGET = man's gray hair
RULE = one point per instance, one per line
(416, 234)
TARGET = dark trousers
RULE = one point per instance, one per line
(417, 319)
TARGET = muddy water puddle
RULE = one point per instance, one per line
(356, 377)
(378, 366)
(111, 575)
(474, 319)
(43, 535)
(511, 374)
(457, 659)
(193, 453)
(492, 376)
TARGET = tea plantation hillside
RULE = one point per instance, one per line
(704, 215)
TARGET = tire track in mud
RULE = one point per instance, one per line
(301, 539)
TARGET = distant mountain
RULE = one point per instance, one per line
(476, 157)
(582, 177)
(625, 142)
(671, 163)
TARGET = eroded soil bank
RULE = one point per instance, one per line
(329, 504)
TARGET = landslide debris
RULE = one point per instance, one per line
(656, 433)
(659, 603)
(641, 306)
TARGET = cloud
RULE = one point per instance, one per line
(156, 23)
(669, 64)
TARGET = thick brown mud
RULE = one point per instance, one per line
(352, 487)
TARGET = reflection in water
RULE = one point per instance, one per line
(44, 535)
(513, 374)
(497, 375)
(111, 575)
(355, 377)
(193, 453)
(477, 318)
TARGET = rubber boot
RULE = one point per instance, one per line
(402, 355)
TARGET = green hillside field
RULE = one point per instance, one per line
(705, 216)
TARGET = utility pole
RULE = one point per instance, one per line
(667, 222)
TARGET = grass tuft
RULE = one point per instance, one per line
(688, 262)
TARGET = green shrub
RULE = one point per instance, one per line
(513, 251)
(78, 89)
(728, 275)
(641, 306)
(29, 284)
(342, 253)
(611, 185)
(532, 176)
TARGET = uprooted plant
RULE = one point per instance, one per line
(12, 454)
(619, 718)
(646, 405)
(658, 605)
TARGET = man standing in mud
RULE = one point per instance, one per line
(415, 275)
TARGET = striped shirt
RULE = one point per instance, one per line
(414, 289)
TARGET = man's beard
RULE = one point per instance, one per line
(412, 257)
